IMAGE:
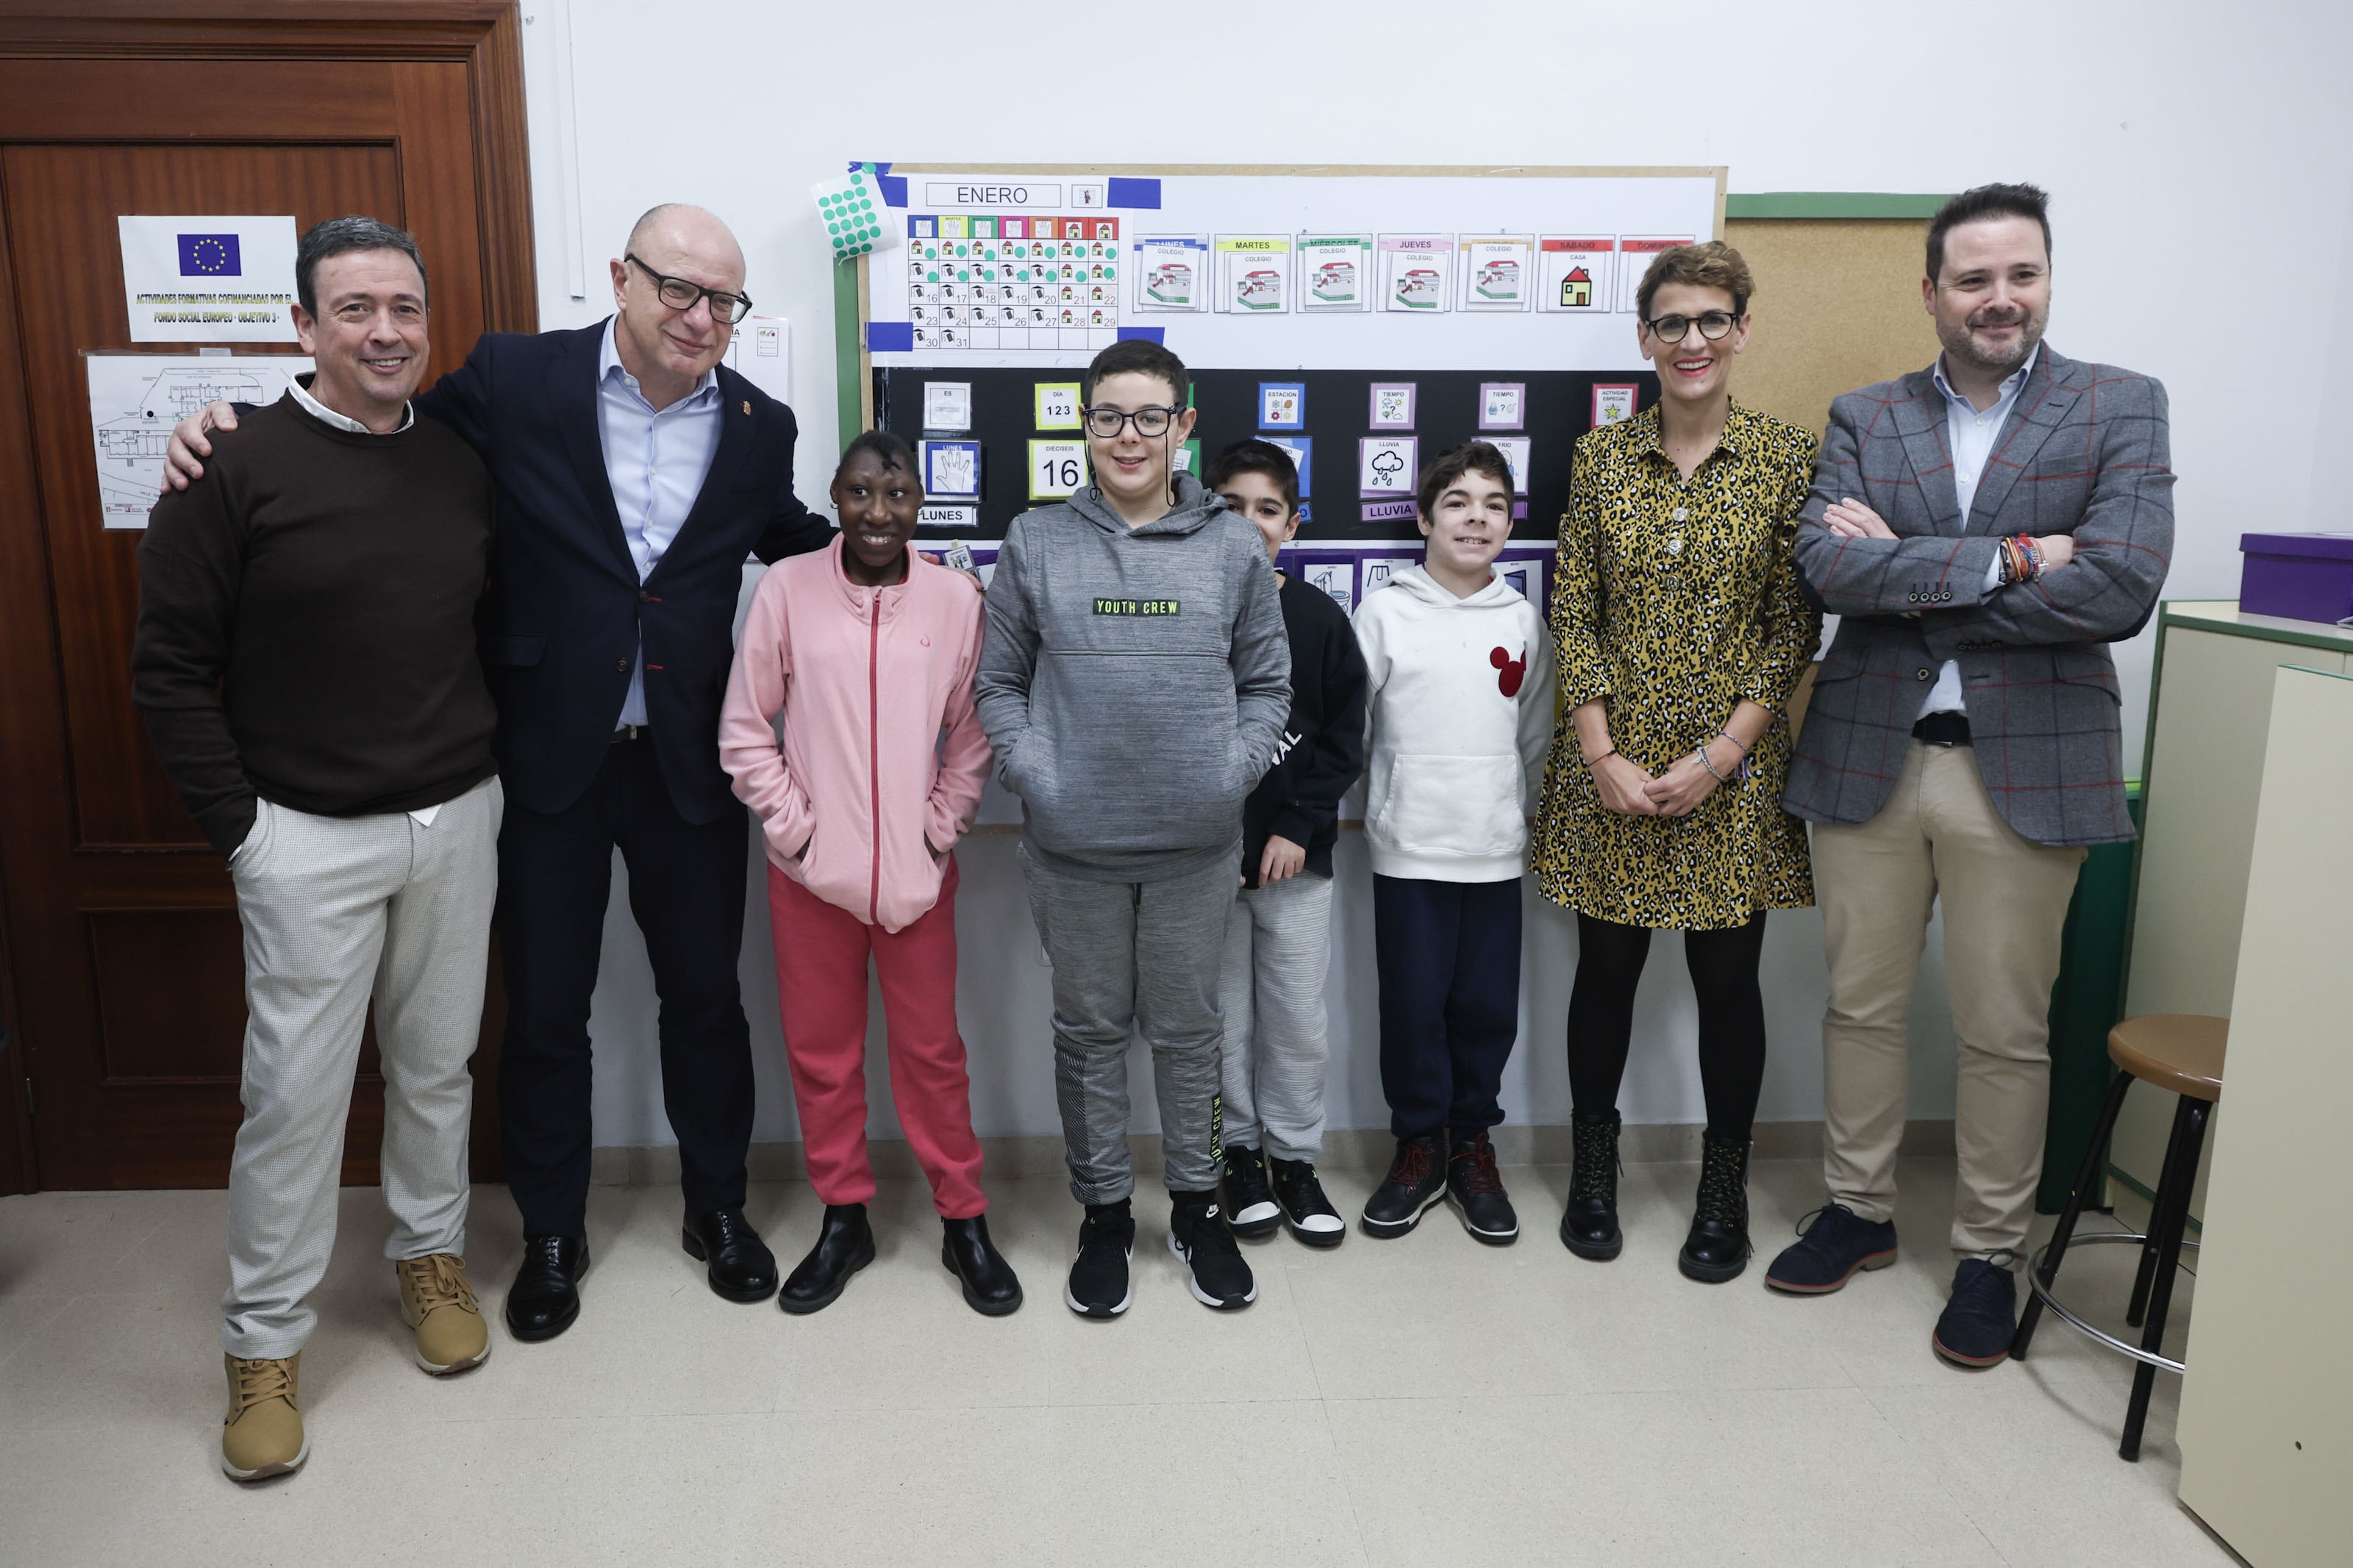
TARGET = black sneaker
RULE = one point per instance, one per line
(1306, 1209)
(1982, 1318)
(1098, 1286)
(1198, 1236)
(1837, 1243)
(1478, 1192)
(1247, 1197)
(1417, 1179)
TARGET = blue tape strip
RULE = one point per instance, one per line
(1139, 334)
(889, 337)
(1134, 192)
(892, 186)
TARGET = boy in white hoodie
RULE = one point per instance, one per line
(1460, 717)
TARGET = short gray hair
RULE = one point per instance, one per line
(341, 236)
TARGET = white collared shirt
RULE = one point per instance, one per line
(424, 816)
(656, 461)
(1971, 435)
(326, 415)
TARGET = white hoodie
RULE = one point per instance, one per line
(1458, 721)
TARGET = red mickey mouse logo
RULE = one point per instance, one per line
(1512, 671)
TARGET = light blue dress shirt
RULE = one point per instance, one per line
(1971, 435)
(656, 461)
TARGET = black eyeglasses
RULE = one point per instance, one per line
(1712, 325)
(1105, 424)
(679, 294)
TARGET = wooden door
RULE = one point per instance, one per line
(123, 943)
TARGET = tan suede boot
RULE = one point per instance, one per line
(451, 1335)
(262, 1433)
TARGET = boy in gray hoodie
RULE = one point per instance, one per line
(1133, 680)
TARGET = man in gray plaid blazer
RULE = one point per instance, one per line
(1983, 528)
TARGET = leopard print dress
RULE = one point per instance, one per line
(1675, 599)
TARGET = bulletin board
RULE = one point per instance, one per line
(1837, 304)
(1366, 318)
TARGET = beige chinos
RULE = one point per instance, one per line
(1939, 838)
(336, 909)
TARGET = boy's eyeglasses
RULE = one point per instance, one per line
(679, 294)
(1105, 424)
(1712, 325)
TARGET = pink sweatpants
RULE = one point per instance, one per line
(822, 953)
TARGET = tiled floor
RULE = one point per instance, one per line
(1410, 1402)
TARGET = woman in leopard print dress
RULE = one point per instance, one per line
(1681, 633)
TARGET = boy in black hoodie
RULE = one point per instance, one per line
(1279, 931)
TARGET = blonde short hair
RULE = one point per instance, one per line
(1709, 265)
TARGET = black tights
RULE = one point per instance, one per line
(1723, 966)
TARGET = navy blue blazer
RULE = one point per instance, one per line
(561, 622)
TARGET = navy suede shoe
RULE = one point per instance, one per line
(1982, 1317)
(1833, 1246)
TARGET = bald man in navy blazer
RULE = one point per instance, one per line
(634, 475)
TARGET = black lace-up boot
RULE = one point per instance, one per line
(1589, 1227)
(1717, 1248)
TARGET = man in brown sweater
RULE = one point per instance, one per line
(306, 664)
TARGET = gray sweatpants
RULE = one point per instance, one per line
(1135, 958)
(335, 908)
(1278, 951)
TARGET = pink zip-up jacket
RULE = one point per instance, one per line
(862, 793)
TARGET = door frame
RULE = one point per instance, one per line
(486, 37)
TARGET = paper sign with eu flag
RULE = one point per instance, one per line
(209, 279)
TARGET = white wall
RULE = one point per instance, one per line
(2201, 161)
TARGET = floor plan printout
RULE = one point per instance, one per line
(135, 399)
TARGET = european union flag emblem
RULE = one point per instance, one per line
(208, 255)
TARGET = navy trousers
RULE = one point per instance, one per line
(686, 890)
(1448, 959)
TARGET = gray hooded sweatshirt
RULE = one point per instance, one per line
(1134, 681)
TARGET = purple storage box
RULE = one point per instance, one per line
(2303, 576)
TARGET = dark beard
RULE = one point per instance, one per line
(1965, 349)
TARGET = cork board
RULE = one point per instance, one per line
(1837, 307)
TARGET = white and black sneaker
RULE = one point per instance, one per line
(1198, 1236)
(1246, 1196)
(1098, 1286)
(1306, 1209)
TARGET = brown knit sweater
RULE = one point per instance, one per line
(306, 623)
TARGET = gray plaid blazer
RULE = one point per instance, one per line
(2086, 453)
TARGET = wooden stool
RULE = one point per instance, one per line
(2181, 1053)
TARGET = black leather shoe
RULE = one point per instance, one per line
(546, 1296)
(742, 1268)
(989, 1287)
(845, 1243)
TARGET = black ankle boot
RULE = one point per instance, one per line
(1717, 1248)
(845, 1243)
(1589, 1227)
(989, 1286)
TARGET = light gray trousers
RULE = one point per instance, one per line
(335, 908)
(1135, 958)
(1278, 951)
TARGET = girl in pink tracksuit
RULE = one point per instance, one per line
(866, 652)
